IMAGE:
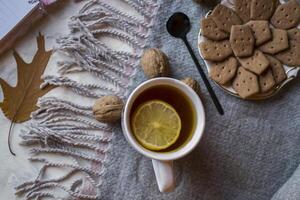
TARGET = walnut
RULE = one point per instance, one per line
(108, 109)
(154, 63)
(192, 83)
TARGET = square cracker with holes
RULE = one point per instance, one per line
(294, 34)
(242, 8)
(210, 30)
(278, 43)
(256, 63)
(262, 9)
(223, 72)
(215, 50)
(266, 81)
(287, 15)
(245, 83)
(277, 69)
(260, 30)
(225, 17)
(241, 40)
(290, 56)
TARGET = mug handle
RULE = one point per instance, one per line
(164, 175)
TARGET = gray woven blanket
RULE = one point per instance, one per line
(252, 152)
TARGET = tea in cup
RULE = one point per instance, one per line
(164, 120)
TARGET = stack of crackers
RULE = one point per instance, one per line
(248, 46)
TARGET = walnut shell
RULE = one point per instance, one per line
(108, 109)
(192, 83)
(154, 63)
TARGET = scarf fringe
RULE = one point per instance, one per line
(68, 130)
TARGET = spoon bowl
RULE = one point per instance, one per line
(178, 25)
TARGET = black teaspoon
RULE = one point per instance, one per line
(178, 26)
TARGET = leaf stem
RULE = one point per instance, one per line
(9, 133)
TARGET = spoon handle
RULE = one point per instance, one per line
(205, 80)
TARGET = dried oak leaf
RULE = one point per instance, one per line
(20, 101)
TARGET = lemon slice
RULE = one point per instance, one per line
(156, 125)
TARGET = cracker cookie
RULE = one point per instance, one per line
(245, 83)
(287, 15)
(242, 8)
(210, 30)
(260, 30)
(290, 56)
(225, 17)
(241, 40)
(278, 43)
(262, 9)
(294, 34)
(266, 81)
(256, 63)
(215, 50)
(223, 72)
(277, 69)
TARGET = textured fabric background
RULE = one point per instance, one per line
(250, 153)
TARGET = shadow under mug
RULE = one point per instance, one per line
(163, 161)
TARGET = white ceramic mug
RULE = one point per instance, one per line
(163, 162)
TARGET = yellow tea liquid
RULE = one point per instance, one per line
(180, 102)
